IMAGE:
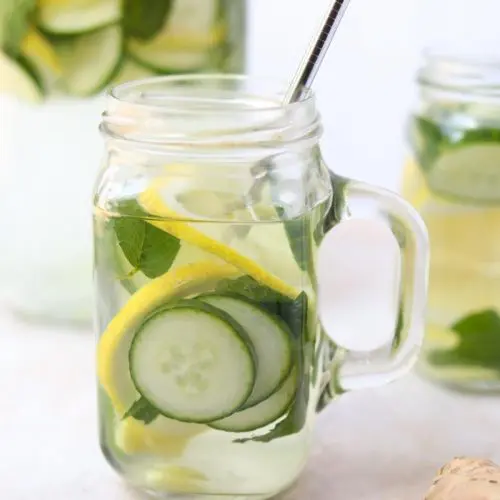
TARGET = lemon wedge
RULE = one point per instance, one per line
(40, 53)
(463, 245)
(15, 80)
(176, 478)
(164, 437)
(413, 185)
(35, 47)
(441, 337)
(457, 374)
(114, 345)
(264, 253)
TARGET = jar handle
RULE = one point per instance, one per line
(349, 369)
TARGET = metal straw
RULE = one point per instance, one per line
(316, 52)
(301, 82)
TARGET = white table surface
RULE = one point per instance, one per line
(384, 444)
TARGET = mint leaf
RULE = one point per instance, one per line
(336, 211)
(15, 18)
(148, 249)
(142, 410)
(294, 314)
(430, 138)
(158, 251)
(334, 363)
(426, 140)
(251, 289)
(481, 135)
(144, 19)
(298, 234)
(131, 234)
(398, 336)
(479, 342)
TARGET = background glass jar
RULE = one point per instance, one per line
(453, 179)
(56, 59)
(208, 287)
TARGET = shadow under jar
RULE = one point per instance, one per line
(211, 359)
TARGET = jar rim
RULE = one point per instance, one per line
(210, 111)
(468, 55)
(119, 92)
(468, 72)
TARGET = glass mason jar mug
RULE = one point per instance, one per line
(211, 359)
(453, 179)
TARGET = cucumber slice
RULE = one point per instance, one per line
(458, 162)
(193, 362)
(469, 173)
(185, 42)
(82, 16)
(90, 62)
(16, 80)
(170, 62)
(270, 337)
(264, 413)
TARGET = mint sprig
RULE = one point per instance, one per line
(478, 343)
(143, 411)
(147, 248)
(426, 139)
(298, 233)
(431, 137)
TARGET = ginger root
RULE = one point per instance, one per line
(466, 479)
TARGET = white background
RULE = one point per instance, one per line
(365, 84)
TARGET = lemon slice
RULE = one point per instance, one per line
(114, 345)
(180, 202)
(15, 80)
(463, 245)
(176, 478)
(413, 185)
(40, 53)
(441, 337)
(163, 437)
(458, 374)
(77, 16)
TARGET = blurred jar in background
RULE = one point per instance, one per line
(453, 179)
(57, 58)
